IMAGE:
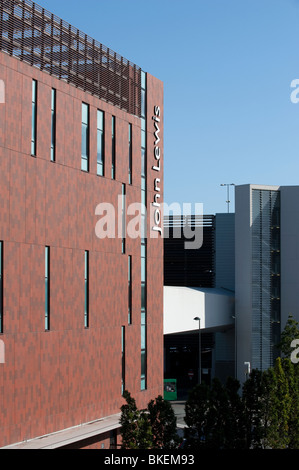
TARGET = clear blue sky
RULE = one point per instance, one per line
(227, 66)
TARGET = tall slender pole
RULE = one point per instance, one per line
(228, 201)
(227, 187)
(199, 350)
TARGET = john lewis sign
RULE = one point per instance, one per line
(157, 227)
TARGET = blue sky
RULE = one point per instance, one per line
(227, 67)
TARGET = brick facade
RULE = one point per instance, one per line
(52, 380)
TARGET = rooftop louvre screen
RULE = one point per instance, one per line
(35, 36)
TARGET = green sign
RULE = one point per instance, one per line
(170, 389)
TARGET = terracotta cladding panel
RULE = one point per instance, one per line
(26, 114)
(4, 193)
(136, 154)
(133, 357)
(43, 120)
(50, 374)
(3, 76)
(72, 219)
(133, 219)
(103, 212)
(122, 150)
(56, 210)
(155, 357)
(95, 194)
(64, 370)
(40, 202)
(13, 107)
(27, 378)
(81, 210)
(113, 285)
(64, 107)
(25, 285)
(17, 197)
(7, 417)
(30, 200)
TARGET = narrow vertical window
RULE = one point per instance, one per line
(130, 153)
(143, 282)
(123, 360)
(113, 148)
(34, 118)
(53, 124)
(143, 357)
(85, 138)
(1, 287)
(47, 288)
(143, 318)
(143, 150)
(86, 308)
(100, 143)
(123, 243)
(130, 290)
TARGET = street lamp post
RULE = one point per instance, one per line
(227, 186)
(199, 350)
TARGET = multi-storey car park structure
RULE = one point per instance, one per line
(81, 315)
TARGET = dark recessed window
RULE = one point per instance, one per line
(130, 153)
(123, 243)
(129, 290)
(85, 138)
(47, 288)
(113, 169)
(143, 357)
(123, 359)
(100, 143)
(53, 124)
(34, 118)
(86, 276)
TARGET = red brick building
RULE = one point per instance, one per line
(81, 316)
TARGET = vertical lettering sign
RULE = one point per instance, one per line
(157, 167)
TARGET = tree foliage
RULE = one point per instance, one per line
(152, 428)
(135, 427)
(214, 416)
(290, 332)
(163, 424)
(264, 415)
